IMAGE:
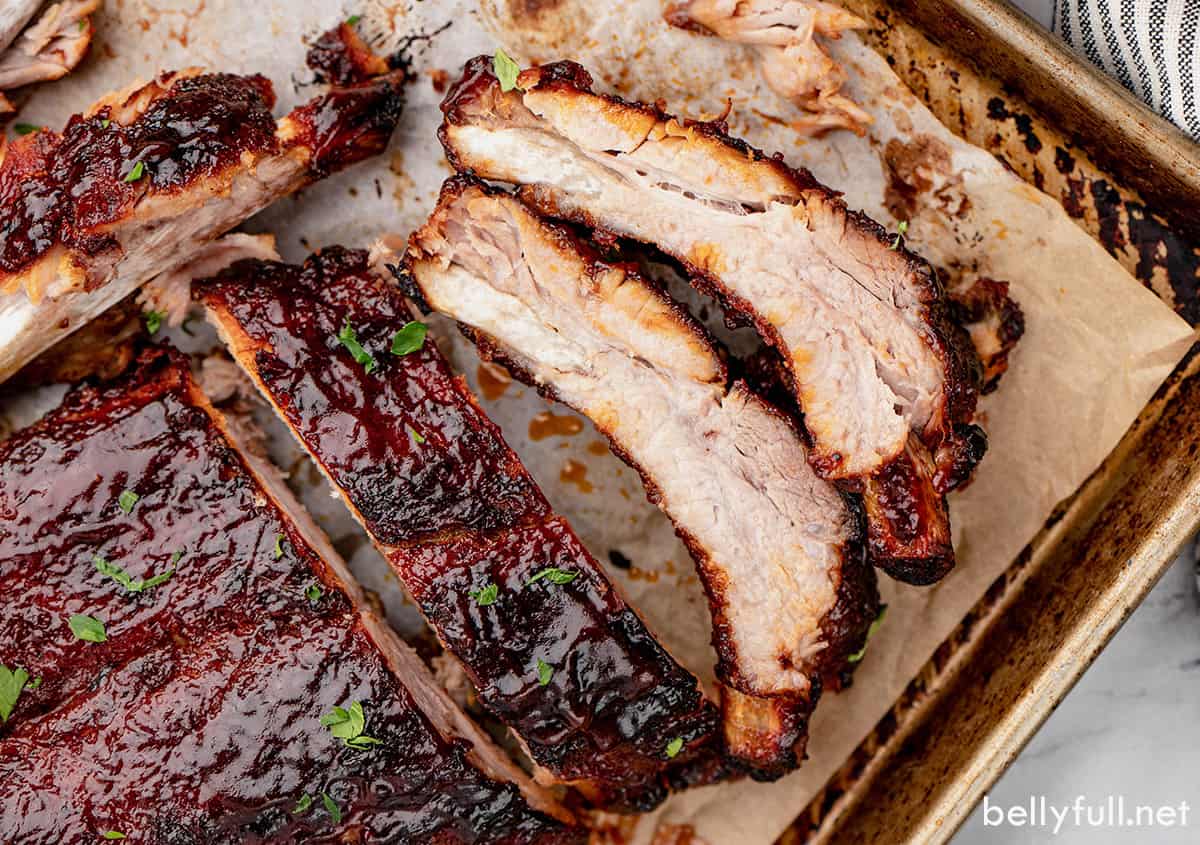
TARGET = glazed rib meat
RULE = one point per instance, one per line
(542, 634)
(195, 714)
(777, 547)
(886, 381)
(137, 185)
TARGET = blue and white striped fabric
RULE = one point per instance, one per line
(1152, 47)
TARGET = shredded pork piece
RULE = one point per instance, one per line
(50, 48)
(788, 37)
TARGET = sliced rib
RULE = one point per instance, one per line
(137, 185)
(869, 350)
(198, 718)
(453, 510)
(776, 546)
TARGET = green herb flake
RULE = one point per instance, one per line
(83, 24)
(416, 436)
(104, 124)
(485, 596)
(278, 546)
(26, 129)
(133, 585)
(154, 320)
(674, 747)
(545, 671)
(139, 170)
(87, 628)
(176, 556)
(12, 681)
(127, 500)
(410, 338)
(858, 655)
(349, 339)
(303, 805)
(112, 834)
(331, 807)
(506, 70)
(34, 684)
(347, 724)
(353, 20)
(314, 593)
(554, 575)
(901, 230)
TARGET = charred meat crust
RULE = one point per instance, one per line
(959, 373)
(229, 660)
(456, 512)
(341, 56)
(779, 748)
(986, 304)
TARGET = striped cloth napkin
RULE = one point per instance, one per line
(1152, 47)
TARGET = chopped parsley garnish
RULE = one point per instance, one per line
(347, 725)
(104, 124)
(127, 500)
(353, 19)
(12, 681)
(545, 671)
(26, 129)
(87, 628)
(303, 805)
(112, 834)
(506, 70)
(139, 170)
(901, 230)
(858, 655)
(34, 684)
(133, 585)
(154, 320)
(410, 338)
(674, 747)
(485, 596)
(314, 593)
(416, 436)
(278, 546)
(554, 575)
(349, 339)
(331, 807)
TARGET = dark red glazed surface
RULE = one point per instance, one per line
(458, 512)
(71, 189)
(198, 720)
(61, 189)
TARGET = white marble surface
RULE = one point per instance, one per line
(1131, 727)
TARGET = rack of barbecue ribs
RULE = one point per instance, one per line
(778, 548)
(544, 637)
(886, 379)
(197, 663)
(149, 175)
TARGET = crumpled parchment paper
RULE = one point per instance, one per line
(1096, 347)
